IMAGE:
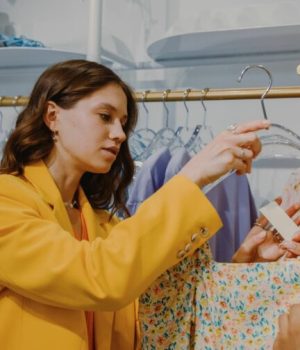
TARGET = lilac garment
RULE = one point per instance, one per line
(178, 160)
(233, 200)
(231, 197)
(149, 179)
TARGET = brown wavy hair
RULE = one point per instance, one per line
(65, 84)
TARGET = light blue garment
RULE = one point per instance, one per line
(233, 200)
(231, 197)
(178, 160)
(149, 179)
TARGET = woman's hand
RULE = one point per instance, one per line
(261, 245)
(233, 149)
(288, 336)
(292, 247)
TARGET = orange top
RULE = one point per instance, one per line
(89, 315)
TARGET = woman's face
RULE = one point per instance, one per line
(91, 132)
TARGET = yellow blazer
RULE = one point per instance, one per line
(47, 277)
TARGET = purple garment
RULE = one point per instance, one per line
(231, 197)
(178, 160)
(149, 179)
(233, 200)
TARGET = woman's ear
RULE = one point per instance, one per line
(50, 117)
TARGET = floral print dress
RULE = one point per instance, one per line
(205, 305)
(201, 304)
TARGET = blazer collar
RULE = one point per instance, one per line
(40, 178)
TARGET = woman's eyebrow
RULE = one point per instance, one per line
(105, 105)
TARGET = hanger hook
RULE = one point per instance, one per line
(1, 121)
(145, 93)
(203, 95)
(144, 96)
(165, 95)
(259, 66)
(14, 103)
(185, 96)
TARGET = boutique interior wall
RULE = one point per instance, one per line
(131, 26)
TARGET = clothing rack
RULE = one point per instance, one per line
(188, 95)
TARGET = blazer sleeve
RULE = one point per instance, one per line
(41, 261)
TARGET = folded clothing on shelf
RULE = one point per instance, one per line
(11, 40)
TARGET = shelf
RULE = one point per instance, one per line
(228, 46)
(37, 57)
(29, 57)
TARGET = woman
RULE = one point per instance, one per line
(69, 271)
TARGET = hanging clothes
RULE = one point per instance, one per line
(149, 179)
(233, 200)
(177, 161)
(231, 197)
(204, 305)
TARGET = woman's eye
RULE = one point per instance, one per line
(105, 117)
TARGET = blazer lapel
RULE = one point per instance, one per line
(40, 178)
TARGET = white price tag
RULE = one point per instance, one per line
(280, 220)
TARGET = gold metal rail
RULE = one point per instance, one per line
(191, 95)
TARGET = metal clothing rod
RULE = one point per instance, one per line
(193, 95)
(217, 94)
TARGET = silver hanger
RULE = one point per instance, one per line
(184, 134)
(166, 136)
(286, 137)
(259, 66)
(204, 133)
(141, 138)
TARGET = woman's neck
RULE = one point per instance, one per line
(66, 180)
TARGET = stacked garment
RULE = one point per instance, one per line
(12, 40)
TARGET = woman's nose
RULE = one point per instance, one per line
(117, 132)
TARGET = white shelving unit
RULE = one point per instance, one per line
(227, 46)
(33, 57)
(21, 66)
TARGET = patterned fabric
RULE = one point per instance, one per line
(204, 305)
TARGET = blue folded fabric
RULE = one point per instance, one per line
(6, 40)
